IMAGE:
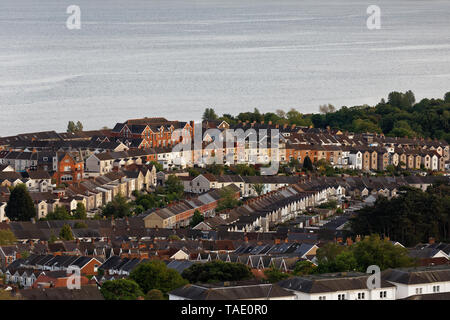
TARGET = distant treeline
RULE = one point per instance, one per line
(399, 116)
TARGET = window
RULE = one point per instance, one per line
(341, 296)
(383, 294)
(435, 288)
(322, 298)
(418, 290)
(361, 295)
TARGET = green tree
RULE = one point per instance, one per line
(79, 126)
(274, 275)
(447, 97)
(196, 218)
(174, 237)
(209, 115)
(80, 212)
(119, 207)
(158, 166)
(156, 275)
(346, 261)
(154, 294)
(80, 225)
(227, 200)
(174, 186)
(215, 168)
(193, 172)
(217, 271)
(7, 237)
(294, 163)
(66, 232)
(326, 108)
(71, 127)
(376, 251)
(307, 164)
(121, 289)
(304, 267)
(329, 252)
(20, 206)
(363, 125)
(52, 238)
(412, 217)
(60, 213)
(245, 170)
(331, 204)
(258, 188)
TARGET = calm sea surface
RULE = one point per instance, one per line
(173, 58)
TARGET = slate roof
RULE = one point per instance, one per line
(329, 283)
(232, 292)
(417, 275)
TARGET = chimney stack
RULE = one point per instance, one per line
(431, 240)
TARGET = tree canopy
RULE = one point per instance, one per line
(227, 200)
(412, 217)
(274, 275)
(119, 207)
(154, 294)
(20, 206)
(307, 164)
(7, 237)
(66, 233)
(80, 211)
(156, 275)
(196, 218)
(60, 213)
(174, 186)
(121, 289)
(158, 166)
(217, 271)
(372, 250)
(73, 127)
(209, 115)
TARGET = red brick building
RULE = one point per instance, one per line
(154, 132)
(69, 168)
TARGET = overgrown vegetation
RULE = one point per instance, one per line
(412, 217)
(217, 271)
(121, 289)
